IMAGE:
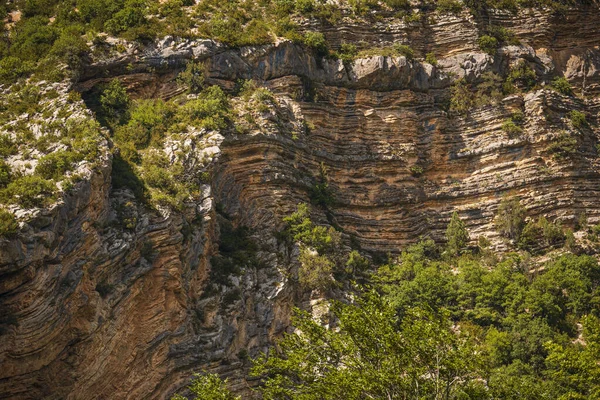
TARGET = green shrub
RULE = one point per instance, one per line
(131, 137)
(148, 122)
(8, 224)
(511, 128)
(416, 170)
(553, 232)
(114, 102)
(503, 35)
(449, 6)
(208, 387)
(210, 110)
(563, 146)
(300, 229)
(7, 146)
(131, 16)
(5, 174)
(541, 233)
(315, 270)
(56, 164)
(397, 4)
(320, 193)
(356, 264)
(264, 95)
(30, 191)
(305, 6)
(347, 52)
(288, 29)
(316, 41)
(70, 48)
(193, 76)
(518, 117)
(404, 50)
(488, 44)
(578, 119)
(430, 58)
(510, 219)
(521, 76)
(32, 38)
(362, 7)
(457, 236)
(13, 68)
(462, 99)
(562, 85)
(531, 236)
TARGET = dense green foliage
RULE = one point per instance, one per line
(320, 255)
(372, 353)
(448, 329)
(140, 128)
(498, 333)
(51, 33)
(208, 387)
(444, 323)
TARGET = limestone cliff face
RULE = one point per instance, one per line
(95, 308)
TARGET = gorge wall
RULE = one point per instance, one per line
(108, 311)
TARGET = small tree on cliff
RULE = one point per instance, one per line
(456, 235)
(510, 219)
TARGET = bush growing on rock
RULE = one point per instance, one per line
(462, 98)
(114, 102)
(8, 224)
(521, 76)
(563, 146)
(193, 77)
(56, 164)
(416, 170)
(578, 119)
(562, 85)
(13, 68)
(29, 191)
(315, 272)
(7, 146)
(130, 16)
(510, 218)
(397, 4)
(512, 129)
(540, 233)
(347, 52)
(356, 263)
(5, 174)
(210, 110)
(316, 41)
(300, 228)
(431, 59)
(488, 44)
(457, 236)
(449, 6)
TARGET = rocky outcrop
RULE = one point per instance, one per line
(105, 297)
